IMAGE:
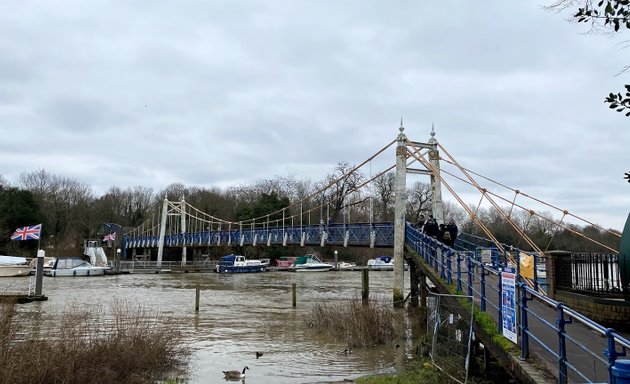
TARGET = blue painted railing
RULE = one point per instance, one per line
(582, 350)
(356, 234)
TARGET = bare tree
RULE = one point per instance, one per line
(383, 188)
(419, 199)
(65, 203)
(341, 183)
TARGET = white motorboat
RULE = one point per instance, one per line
(74, 266)
(381, 263)
(346, 265)
(310, 263)
(11, 266)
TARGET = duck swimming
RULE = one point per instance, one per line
(347, 351)
(232, 375)
(258, 354)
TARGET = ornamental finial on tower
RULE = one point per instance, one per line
(432, 130)
(401, 129)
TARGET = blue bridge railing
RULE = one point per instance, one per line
(356, 234)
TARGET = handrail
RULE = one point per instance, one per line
(566, 327)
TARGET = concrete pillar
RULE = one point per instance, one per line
(413, 278)
(422, 279)
(162, 233)
(400, 202)
(183, 215)
(436, 185)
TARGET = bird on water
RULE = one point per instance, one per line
(231, 375)
(258, 354)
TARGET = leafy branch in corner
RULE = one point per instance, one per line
(611, 14)
(615, 13)
(627, 176)
(620, 102)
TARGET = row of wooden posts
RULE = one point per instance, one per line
(365, 290)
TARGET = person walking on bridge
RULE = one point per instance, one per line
(451, 228)
(431, 227)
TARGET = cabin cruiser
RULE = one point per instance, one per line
(239, 264)
(74, 266)
(310, 263)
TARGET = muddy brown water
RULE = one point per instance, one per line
(239, 315)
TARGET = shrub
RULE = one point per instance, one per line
(358, 324)
(130, 345)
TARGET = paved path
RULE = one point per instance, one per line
(580, 339)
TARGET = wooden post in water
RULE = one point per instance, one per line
(294, 295)
(197, 294)
(365, 284)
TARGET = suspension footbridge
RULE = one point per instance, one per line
(557, 318)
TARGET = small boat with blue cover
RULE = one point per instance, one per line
(310, 263)
(381, 263)
(238, 264)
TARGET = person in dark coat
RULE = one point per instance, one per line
(420, 223)
(431, 227)
(441, 231)
(451, 227)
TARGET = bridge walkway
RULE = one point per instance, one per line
(572, 350)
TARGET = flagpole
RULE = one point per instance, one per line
(39, 239)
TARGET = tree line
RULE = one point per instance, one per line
(72, 212)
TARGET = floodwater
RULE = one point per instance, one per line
(239, 315)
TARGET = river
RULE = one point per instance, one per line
(239, 315)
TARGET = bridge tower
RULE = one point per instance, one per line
(400, 202)
(171, 208)
(436, 186)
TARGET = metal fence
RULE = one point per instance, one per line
(593, 273)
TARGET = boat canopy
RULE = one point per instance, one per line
(12, 260)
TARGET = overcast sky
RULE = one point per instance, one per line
(221, 93)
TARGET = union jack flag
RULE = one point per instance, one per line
(27, 233)
(111, 236)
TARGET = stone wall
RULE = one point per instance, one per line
(613, 313)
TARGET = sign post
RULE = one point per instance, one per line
(508, 305)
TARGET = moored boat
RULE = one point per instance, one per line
(346, 265)
(74, 266)
(11, 266)
(310, 263)
(239, 264)
(285, 261)
(381, 263)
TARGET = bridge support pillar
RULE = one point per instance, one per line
(422, 279)
(400, 200)
(414, 281)
(162, 233)
(184, 249)
(436, 185)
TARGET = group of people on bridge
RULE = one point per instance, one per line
(444, 233)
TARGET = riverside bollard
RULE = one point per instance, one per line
(336, 260)
(365, 286)
(197, 294)
(621, 371)
(39, 272)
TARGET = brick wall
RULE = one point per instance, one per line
(613, 313)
